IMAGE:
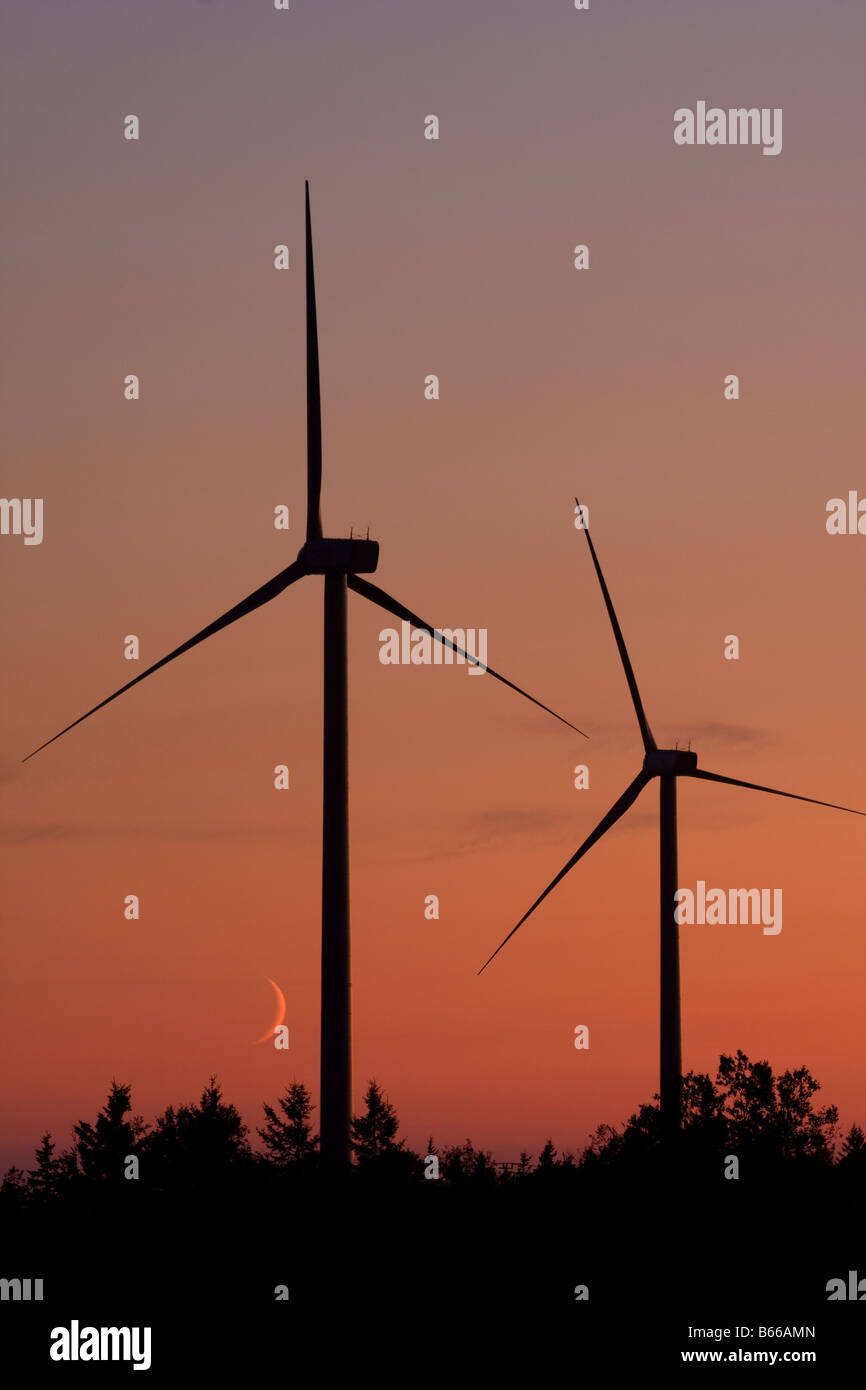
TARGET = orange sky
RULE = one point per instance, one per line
(455, 258)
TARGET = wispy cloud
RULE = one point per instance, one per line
(623, 733)
(731, 735)
(176, 834)
(21, 835)
(491, 824)
(491, 827)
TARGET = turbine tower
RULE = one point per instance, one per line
(341, 562)
(667, 764)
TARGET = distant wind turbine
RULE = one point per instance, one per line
(341, 561)
(667, 764)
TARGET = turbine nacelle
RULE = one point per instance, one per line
(666, 761)
(323, 555)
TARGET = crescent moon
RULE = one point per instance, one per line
(281, 1013)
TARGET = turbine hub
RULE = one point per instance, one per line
(323, 554)
(665, 761)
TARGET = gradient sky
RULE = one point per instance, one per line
(451, 257)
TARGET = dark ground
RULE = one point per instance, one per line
(393, 1282)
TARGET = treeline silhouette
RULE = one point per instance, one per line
(228, 1223)
(771, 1124)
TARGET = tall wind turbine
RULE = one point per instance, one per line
(667, 764)
(340, 561)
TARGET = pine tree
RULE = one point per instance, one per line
(463, 1163)
(52, 1175)
(853, 1155)
(373, 1133)
(290, 1139)
(102, 1148)
(197, 1145)
(374, 1140)
(14, 1190)
(547, 1158)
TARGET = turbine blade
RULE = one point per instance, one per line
(754, 787)
(314, 400)
(248, 605)
(618, 809)
(378, 596)
(649, 742)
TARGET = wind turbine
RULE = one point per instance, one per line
(667, 764)
(340, 561)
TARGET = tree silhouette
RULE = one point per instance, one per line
(53, 1174)
(852, 1157)
(547, 1158)
(373, 1133)
(198, 1145)
(374, 1138)
(102, 1147)
(773, 1117)
(747, 1111)
(289, 1138)
(464, 1164)
(551, 1168)
(14, 1189)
